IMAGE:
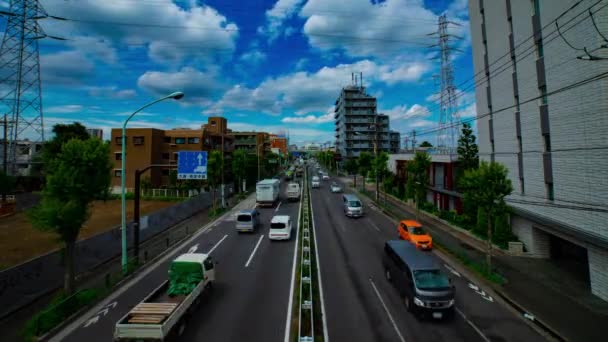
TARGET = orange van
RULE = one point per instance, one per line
(412, 231)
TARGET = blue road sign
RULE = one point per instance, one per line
(192, 165)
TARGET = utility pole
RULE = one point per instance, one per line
(222, 168)
(376, 156)
(5, 152)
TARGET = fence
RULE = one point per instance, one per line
(26, 282)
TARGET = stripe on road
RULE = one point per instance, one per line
(386, 310)
(473, 325)
(278, 206)
(254, 249)
(217, 244)
(373, 225)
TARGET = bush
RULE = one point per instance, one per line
(481, 227)
(502, 231)
(401, 191)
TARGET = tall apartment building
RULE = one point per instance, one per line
(356, 118)
(551, 136)
(26, 150)
(279, 142)
(147, 146)
(95, 132)
(252, 142)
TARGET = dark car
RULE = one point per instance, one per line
(425, 288)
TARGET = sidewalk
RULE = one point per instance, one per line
(556, 298)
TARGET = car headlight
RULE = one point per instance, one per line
(418, 301)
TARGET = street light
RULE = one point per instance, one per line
(123, 224)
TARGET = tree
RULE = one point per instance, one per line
(487, 186)
(7, 184)
(426, 144)
(468, 152)
(63, 133)
(379, 163)
(418, 169)
(214, 172)
(351, 166)
(365, 164)
(239, 166)
(75, 177)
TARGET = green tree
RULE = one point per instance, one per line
(365, 164)
(214, 173)
(7, 184)
(426, 144)
(410, 191)
(401, 192)
(487, 186)
(77, 175)
(239, 166)
(419, 168)
(173, 179)
(468, 152)
(63, 133)
(351, 166)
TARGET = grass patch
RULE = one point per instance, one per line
(213, 213)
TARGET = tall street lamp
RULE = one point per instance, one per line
(123, 223)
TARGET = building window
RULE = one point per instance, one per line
(550, 194)
(212, 122)
(118, 141)
(547, 139)
(117, 173)
(193, 140)
(521, 186)
(180, 141)
(167, 140)
(165, 155)
(138, 140)
(165, 172)
(117, 156)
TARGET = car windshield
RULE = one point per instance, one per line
(244, 218)
(417, 231)
(431, 279)
(334, 185)
(277, 225)
(354, 204)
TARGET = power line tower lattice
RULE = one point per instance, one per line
(448, 112)
(20, 88)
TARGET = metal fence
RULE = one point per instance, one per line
(306, 326)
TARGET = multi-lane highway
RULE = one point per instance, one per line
(250, 299)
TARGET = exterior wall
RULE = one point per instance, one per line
(598, 271)
(535, 240)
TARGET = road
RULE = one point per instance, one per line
(249, 300)
(350, 252)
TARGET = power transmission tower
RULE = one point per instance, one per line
(20, 88)
(448, 113)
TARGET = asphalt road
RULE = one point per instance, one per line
(361, 305)
(248, 301)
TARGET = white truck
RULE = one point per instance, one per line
(161, 317)
(267, 192)
(293, 191)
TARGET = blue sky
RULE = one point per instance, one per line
(264, 64)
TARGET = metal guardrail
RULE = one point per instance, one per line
(306, 313)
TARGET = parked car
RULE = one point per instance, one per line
(280, 228)
(247, 220)
(424, 287)
(315, 182)
(413, 231)
(335, 187)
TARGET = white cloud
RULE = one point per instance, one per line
(306, 92)
(112, 92)
(65, 67)
(296, 133)
(198, 87)
(404, 113)
(468, 112)
(72, 108)
(94, 48)
(171, 33)
(309, 119)
(277, 15)
(253, 57)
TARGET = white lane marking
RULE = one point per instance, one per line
(293, 277)
(481, 292)
(254, 249)
(278, 206)
(373, 225)
(105, 311)
(386, 310)
(453, 271)
(217, 244)
(314, 231)
(193, 249)
(473, 325)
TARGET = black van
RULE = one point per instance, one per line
(426, 290)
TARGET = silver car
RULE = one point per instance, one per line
(335, 187)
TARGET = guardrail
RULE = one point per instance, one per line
(306, 326)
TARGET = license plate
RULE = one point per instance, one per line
(437, 315)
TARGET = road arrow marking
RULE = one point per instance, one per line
(452, 270)
(481, 292)
(193, 249)
(93, 320)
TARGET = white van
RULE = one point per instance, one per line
(280, 228)
(316, 182)
(293, 191)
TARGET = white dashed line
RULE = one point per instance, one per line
(387, 312)
(473, 325)
(254, 249)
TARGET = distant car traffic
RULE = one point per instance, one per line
(280, 228)
(335, 187)
(412, 231)
(315, 182)
(325, 176)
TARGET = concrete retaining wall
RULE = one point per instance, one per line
(24, 283)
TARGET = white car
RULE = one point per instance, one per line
(280, 228)
(335, 187)
(315, 182)
(325, 176)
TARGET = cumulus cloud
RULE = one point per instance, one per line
(276, 17)
(65, 67)
(112, 92)
(306, 92)
(199, 87)
(310, 119)
(253, 57)
(72, 108)
(170, 32)
(403, 112)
